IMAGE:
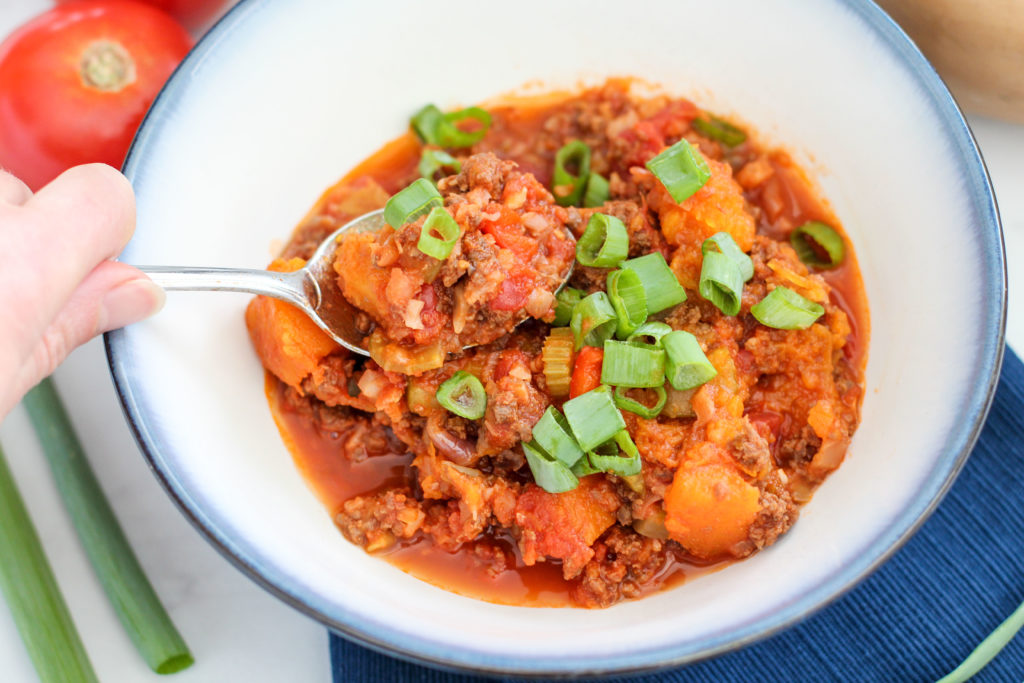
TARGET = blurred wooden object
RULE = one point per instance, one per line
(977, 46)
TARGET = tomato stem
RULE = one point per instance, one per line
(107, 66)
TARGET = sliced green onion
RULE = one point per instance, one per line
(660, 283)
(721, 282)
(409, 204)
(681, 169)
(565, 301)
(784, 309)
(593, 417)
(449, 134)
(718, 129)
(136, 603)
(550, 474)
(632, 364)
(605, 242)
(426, 122)
(434, 160)
(568, 187)
(653, 330)
(647, 412)
(556, 355)
(463, 395)
(624, 466)
(441, 222)
(553, 435)
(593, 320)
(584, 468)
(818, 245)
(32, 594)
(686, 366)
(436, 128)
(629, 300)
(597, 192)
(987, 649)
(723, 242)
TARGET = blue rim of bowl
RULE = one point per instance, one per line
(412, 648)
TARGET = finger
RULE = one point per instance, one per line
(12, 190)
(83, 217)
(113, 295)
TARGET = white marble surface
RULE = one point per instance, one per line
(237, 631)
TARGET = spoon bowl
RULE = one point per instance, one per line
(312, 288)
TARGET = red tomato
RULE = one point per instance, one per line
(508, 233)
(586, 373)
(191, 13)
(76, 81)
(514, 292)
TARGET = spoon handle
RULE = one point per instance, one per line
(285, 286)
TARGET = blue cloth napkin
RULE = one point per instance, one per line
(914, 619)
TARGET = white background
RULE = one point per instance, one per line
(235, 630)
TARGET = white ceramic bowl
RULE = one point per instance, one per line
(284, 96)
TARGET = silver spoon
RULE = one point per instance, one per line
(312, 288)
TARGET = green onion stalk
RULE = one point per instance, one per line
(129, 591)
(33, 597)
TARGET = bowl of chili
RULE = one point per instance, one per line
(866, 118)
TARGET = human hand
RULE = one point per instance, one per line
(58, 284)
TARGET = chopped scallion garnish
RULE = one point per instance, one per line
(553, 435)
(721, 282)
(784, 309)
(818, 245)
(593, 417)
(605, 242)
(463, 395)
(565, 301)
(593, 320)
(451, 134)
(629, 300)
(568, 185)
(434, 160)
(654, 330)
(607, 459)
(441, 222)
(412, 202)
(583, 468)
(550, 474)
(647, 412)
(719, 129)
(686, 366)
(723, 242)
(425, 123)
(436, 128)
(681, 169)
(660, 283)
(632, 364)
(597, 191)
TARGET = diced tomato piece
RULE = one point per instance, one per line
(431, 318)
(560, 249)
(586, 373)
(508, 232)
(508, 359)
(513, 293)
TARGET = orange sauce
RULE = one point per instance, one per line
(335, 479)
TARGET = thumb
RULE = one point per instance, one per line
(113, 295)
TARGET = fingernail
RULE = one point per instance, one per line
(130, 302)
